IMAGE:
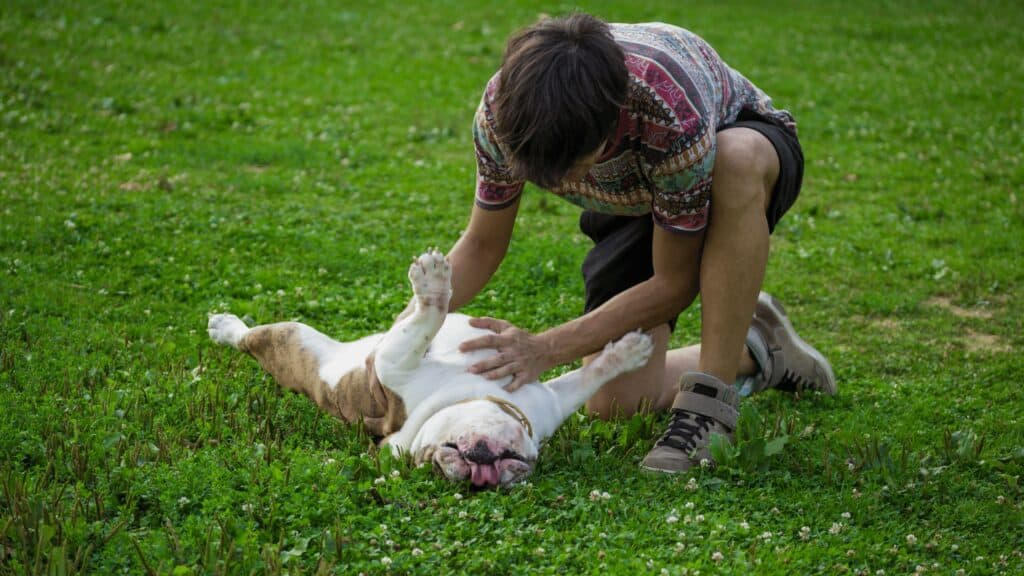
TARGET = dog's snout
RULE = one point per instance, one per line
(480, 453)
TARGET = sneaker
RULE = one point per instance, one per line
(704, 406)
(786, 361)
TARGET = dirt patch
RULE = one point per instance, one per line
(946, 304)
(887, 324)
(133, 186)
(890, 324)
(981, 342)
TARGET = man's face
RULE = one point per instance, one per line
(583, 165)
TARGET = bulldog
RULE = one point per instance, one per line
(411, 386)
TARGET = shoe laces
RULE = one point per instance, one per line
(684, 430)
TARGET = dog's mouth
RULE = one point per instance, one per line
(485, 467)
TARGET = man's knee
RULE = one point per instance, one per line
(746, 167)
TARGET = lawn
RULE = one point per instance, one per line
(162, 160)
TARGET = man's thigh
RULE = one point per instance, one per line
(755, 136)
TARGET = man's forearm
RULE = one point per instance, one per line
(643, 306)
(675, 283)
(479, 251)
(472, 267)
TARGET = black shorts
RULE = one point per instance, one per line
(621, 256)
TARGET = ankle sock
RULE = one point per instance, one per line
(758, 349)
(745, 385)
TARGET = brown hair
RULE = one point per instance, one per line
(561, 85)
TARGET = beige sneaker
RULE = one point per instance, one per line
(786, 361)
(703, 406)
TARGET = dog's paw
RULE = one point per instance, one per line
(431, 278)
(635, 348)
(226, 329)
(624, 355)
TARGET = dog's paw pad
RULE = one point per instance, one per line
(431, 275)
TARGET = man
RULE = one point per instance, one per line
(683, 168)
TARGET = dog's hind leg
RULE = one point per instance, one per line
(403, 347)
(291, 352)
(226, 329)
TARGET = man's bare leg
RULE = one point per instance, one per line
(655, 385)
(736, 249)
(732, 268)
(733, 263)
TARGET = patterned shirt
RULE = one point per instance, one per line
(661, 157)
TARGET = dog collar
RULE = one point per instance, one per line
(508, 408)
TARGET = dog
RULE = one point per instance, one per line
(411, 386)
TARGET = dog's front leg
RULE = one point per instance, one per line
(404, 345)
(573, 389)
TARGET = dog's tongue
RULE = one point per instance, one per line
(484, 474)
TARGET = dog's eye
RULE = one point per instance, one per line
(450, 445)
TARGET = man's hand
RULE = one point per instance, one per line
(521, 355)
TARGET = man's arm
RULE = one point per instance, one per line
(672, 288)
(674, 285)
(479, 251)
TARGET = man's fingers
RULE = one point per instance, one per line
(488, 323)
(489, 341)
(493, 367)
(515, 384)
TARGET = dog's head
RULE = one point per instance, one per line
(487, 442)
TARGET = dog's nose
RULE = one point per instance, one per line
(480, 453)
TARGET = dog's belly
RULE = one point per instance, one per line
(445, 346)
(442, 360)
(444, 369)
(340, 358)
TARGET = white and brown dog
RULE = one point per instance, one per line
(411, 384)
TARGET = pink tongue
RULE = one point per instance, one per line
(484, 474)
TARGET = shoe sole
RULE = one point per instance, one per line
(652, 470)
(768, 302)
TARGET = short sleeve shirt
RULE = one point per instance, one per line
(660, 160)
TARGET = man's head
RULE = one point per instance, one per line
(561, 86)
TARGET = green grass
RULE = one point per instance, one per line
(162, 160)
